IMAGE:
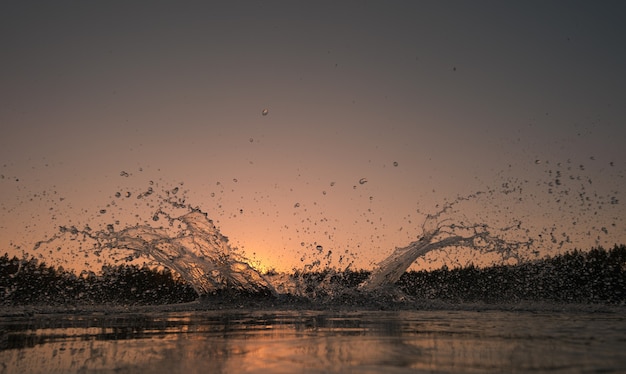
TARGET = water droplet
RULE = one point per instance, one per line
(128, 194)
(296, 205)
(537, 162)
(319, 248)
(362, 180)
(118, 194)
(102, 211)
(265, 112)
(251, 140)
(395, 163)
(235, 180)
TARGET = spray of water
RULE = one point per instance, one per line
(439, 233)
(189, 243)
(198, 252)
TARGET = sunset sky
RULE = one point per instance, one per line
(377, 112)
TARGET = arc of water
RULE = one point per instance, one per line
(437, 235)
(202, 257)
(391, 269)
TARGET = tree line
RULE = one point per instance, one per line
(594, 276)
(28, 281)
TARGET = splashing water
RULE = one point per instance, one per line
(199, 252)
(438, 233)
(195, 249)
(190, 244)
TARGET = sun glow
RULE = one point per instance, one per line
(262, 266)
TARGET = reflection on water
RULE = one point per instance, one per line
(313, 341)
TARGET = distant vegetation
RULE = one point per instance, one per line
(32, 282)
(595, 276)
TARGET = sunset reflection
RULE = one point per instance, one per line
(260, 342)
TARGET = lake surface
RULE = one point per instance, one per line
(156, 340)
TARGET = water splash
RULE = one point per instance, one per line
(191, 245)
(439, 233)
(496, 222)
(198, 252)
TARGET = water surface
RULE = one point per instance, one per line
(314, 341)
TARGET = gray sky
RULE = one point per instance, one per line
(463, 96)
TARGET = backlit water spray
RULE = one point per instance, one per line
(192, 245)
(183, 238)
(439, 233)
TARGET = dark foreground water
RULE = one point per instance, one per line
(161, 340)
